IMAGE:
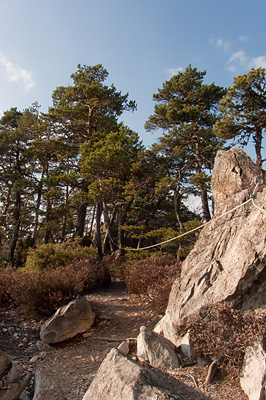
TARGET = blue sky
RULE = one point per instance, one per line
(141, 43)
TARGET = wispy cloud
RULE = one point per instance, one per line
(221, 43)
(257, 62)
(174, 71)
(241, 60)
(16, 73)
(243, 38)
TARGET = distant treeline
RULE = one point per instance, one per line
(77, 172)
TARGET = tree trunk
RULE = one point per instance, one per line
(258, 145)
(121, 233)
(205, 205)
(63, 234)
(82, 211)
(37, 208)
(47, 220)
(92, 221)
(14, 239)
(177, 202)
(108, 240)
(203, 191)
(97, 236)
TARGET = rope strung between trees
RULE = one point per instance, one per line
(251, 199)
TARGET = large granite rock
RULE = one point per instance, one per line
(119, 377)
(253, 377)
(228, 260)
(76, 317)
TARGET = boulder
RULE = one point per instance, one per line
(119, 377)
(228, 260)
(76, 317)
(155, 349)
(253, 376)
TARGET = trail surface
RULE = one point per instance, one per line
(72, 365)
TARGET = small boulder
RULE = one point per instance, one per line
(14, 373)
(156, 349)
(187, 348)
(68, 321)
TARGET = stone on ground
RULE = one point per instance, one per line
(155, 349)
(68, 321)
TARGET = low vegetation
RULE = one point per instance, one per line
(153, 277)
(225, 333)
(40, 293)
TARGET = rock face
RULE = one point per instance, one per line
(155, 349)
(229, 257)
(253, 379)
(76, 317)
(119, 377)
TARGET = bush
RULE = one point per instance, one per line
(45, 291)
(116, 266)
(225, 333)
(153, 276)
(53, 255)
(9, 284)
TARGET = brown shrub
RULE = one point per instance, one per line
(225, 333)
(153, 276)
(9, 283)
(44, 291)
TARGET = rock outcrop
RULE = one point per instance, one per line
(233, 172)
(119, 377)
(229, 257)
(76, 317)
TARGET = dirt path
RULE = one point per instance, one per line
(72, 364)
